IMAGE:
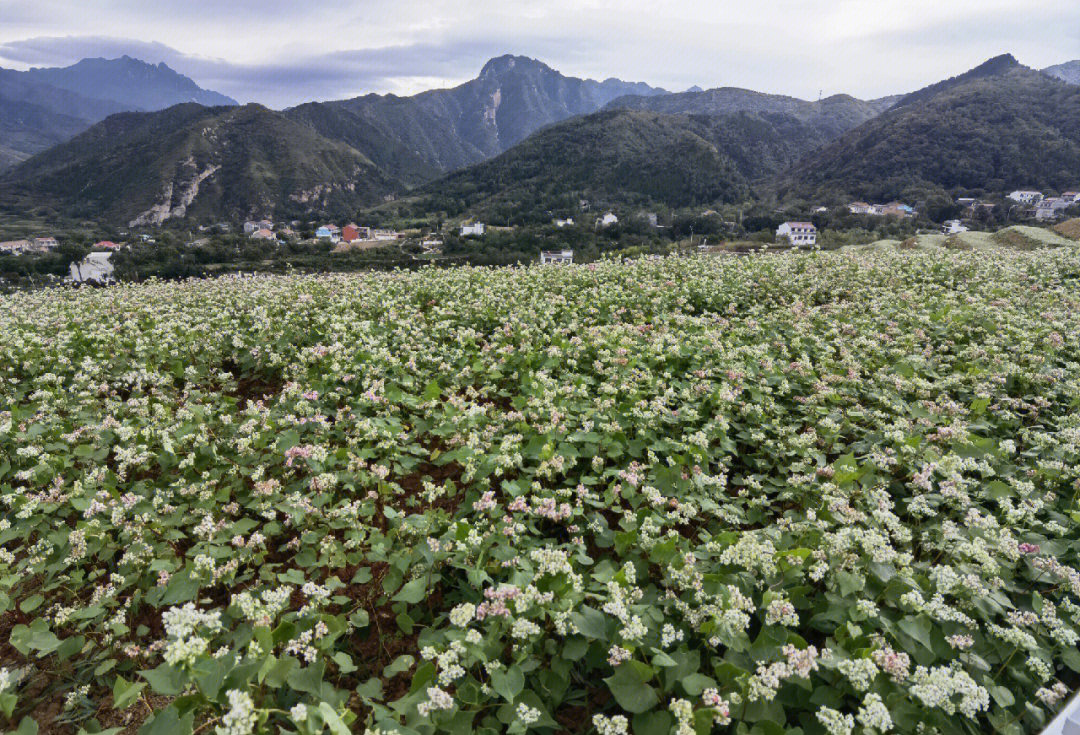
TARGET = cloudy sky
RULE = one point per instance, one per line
(282, 52)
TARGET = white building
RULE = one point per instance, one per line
(952, 227)
(556, 256)
(607, 220)
(95, 267)
(859, 208)
(1051, 208)
(1025, 196)
(799, 234)
(1072, 197)
(474, 230)
(560, 223)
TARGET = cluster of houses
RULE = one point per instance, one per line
(892, 209)
(34, 245)
(352, 232)
(1044, 208)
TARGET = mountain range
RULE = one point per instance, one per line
(519, 139)
(997, 127)
(41, 107)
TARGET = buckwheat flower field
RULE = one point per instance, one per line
(811, 493)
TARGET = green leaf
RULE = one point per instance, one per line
(399, 665)
(628, 687)
(653, 723)
(917, 627)
(370, 689)
(333, 720)
(590, 623)
(508, 682)
(344, 662)
(169, 722)
(8, 700)
(695, 684)
(165, 680)
(413, 592)
(31, 603)
(308, 679)
(125, 693)
(28, 726)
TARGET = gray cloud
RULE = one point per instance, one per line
(280, 52)
(333, 75)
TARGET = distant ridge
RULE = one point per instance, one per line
(1067, 72)
(45, 106)
(997, 127)
(511, 98)
(132, 83)
(834, 115)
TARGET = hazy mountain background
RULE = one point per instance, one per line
(1067, 72)
(44, 106)
(519, 140)
(833, 115)
(513, 96)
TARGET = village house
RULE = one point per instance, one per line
(1072, 197)
(45, 244)
(107, 245)
(859, 208)
(473, 230)
(607, 220)
(1025, 196)
(15, 247)
(896, 209)
(263, 234)
(387, 235)
(561, 223)
(1051, 208)
(328, 232)
(556, 256)
(250, 226)
(953, 227)
(799, 234)
(94, 268)
(350, 233)
(652, 219)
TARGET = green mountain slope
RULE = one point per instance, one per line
(202, 162)
(513, 96)
(380, 144)
(998, 127)
(626, 157)
(833, 115)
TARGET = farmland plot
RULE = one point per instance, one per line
(834, 492)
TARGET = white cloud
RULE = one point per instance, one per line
(281, 52)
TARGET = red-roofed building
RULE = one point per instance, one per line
(349, 233)
(107, 245)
